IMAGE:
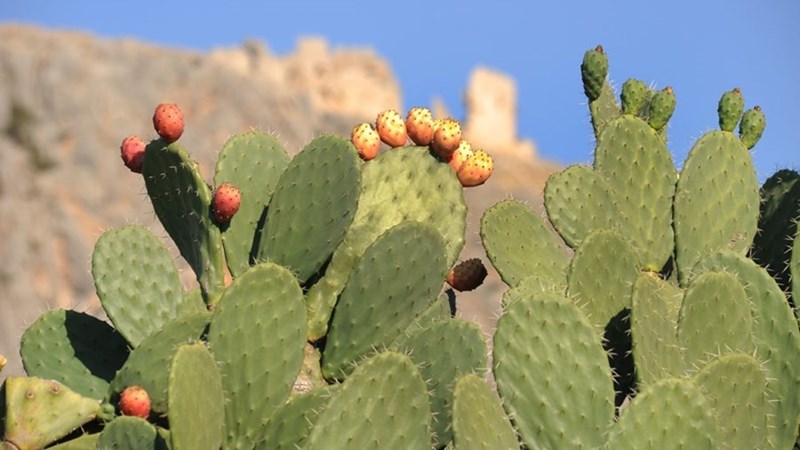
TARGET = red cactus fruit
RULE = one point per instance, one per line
(225, 202)
(467, 275)
(132, 152)
(168, 122)
(366, 141)
(134, 401)
(462, 153)
(419, 125)
(446, 138)
(391, 128)
(476, 169)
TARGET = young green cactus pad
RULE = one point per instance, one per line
(121, 260)
(182, 201)
(74, 348)
(196, 421)
(257, 335)
(398, 277)
(382, 405)
(39, 411)
(253, 162)
(479, 422)
(670, 414)
(549, 363)
(131, 433)
(321, 185)
(519, 244)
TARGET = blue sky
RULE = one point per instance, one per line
(701, 48)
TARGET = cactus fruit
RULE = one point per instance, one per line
(132, 153)
(3, 362)
(467, 275)
(662, 105)
(752, 126)
(366, 140)
(168, 122)
(476, 169)
(225, 202)
(730, 108)
(391, 128)
(446, 138)
(461, 155)
(420, 125)
(594, 71)
(134, 401)
(633, 96)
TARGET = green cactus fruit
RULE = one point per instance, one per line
(396, 280)
(257, 336)
(734, 384)
(549, 363)
(290, 425)
(83, 442)
(604, 109)
(131, 433)
(314, 203)
(752, 126)
(402, 185)
(38, 412)
(149, 364)
(182, 202)
(730, 108)
(137, 282)
(579, 200)
(670, 414)
(74, 348)
(529, 286)
(634, 95)
(382, 405)
(716, 200)
(777, 225)
(444, 352)
(601, 275)
(662, 105)
(714, 298)
(196, 417)
(479, 422)
(655, 306)
(253, 162)
(638, 167)
(777, 340)
(519, 243)
(594, 70)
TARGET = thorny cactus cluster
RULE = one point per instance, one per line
(657, 331)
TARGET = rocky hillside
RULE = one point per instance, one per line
(67, 99)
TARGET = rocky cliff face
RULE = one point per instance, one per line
(67, 99)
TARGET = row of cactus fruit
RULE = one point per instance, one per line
(321, 322)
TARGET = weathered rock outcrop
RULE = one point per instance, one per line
(67, 99)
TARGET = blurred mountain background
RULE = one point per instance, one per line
(68, 98)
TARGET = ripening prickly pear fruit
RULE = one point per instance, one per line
(419, 124)
(446, 138)
(134, 401)
(752, 126)
(168, 122)
(730, 108)
(633, 96)
(132, 152)
(467, 275)
(662, 105)
(225, 202)
(476, 169)
(391, 128)
(594, 71)
(366, 141)
(462, 153)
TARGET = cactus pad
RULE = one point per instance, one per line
(131, 433)
(290, 425)
(479, 422)
(519, 244)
